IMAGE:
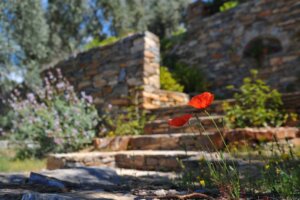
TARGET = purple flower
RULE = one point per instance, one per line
(58, 141)
(31, 97)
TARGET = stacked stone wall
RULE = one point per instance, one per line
(217, 44)
(121, 74)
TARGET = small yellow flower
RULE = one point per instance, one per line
(202, 183)
(267, 167)
(278, 171)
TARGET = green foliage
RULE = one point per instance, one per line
(256, 105)
(167, 82)
(53, 118)
(125, 121)
(190, 77)
(229, 5)
(32, 36)
(98, 43)
(23, 35)
(283, 181)
(159, 17)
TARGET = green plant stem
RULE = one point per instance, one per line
(208, 164)
(221, 155)
(226, 147)
(219, 131)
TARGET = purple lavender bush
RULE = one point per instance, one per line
(53, 118)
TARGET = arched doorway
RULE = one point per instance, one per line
(260, 47)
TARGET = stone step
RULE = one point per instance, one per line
(170, 112)
(199, 142)
(141, 160)
(162, 126)
(156, 160)
(291, 103)
(176, 141)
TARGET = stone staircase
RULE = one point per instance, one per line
(160, 148)
(163, 148)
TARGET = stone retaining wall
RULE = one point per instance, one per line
(220, 45)
(117, 73)
(199, 142)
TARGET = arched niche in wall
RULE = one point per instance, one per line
(258, 48)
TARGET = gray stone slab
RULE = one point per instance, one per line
(96, 194)
(87, 177)
(39, 196)
(13, 178)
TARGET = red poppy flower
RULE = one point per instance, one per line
(180, 121)
(202, 101)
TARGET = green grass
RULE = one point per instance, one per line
(9, 164)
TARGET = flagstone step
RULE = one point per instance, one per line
(141, 160)
(157, 160)
(176, 141)
(162, 126)
(207, 141)
(291, 103)
(166, 113)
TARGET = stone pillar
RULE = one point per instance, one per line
(151, 62)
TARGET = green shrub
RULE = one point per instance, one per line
(167, 81)
(281, 180)
(129, 120)
(98, 43)
(229, 5)
(256, 105)
(53, 118)
(190, 77)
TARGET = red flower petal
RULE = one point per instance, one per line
(180, 121)
(202, 101)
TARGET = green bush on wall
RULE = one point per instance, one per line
(257, 105)
(167, 81)
(99, 43)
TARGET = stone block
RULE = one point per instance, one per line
(276, 61)
(286, 132)
(170, 163)
(107, 90)
(84, 84)
(112, 144)
(109, 73)
(91, 71)
(128, 161)
(265, 13)
(295, 142)
(54, 163)
(134, 81)
(149, 54)
(98, 83)
(261, 134)
(120, 101)
(152, 162)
